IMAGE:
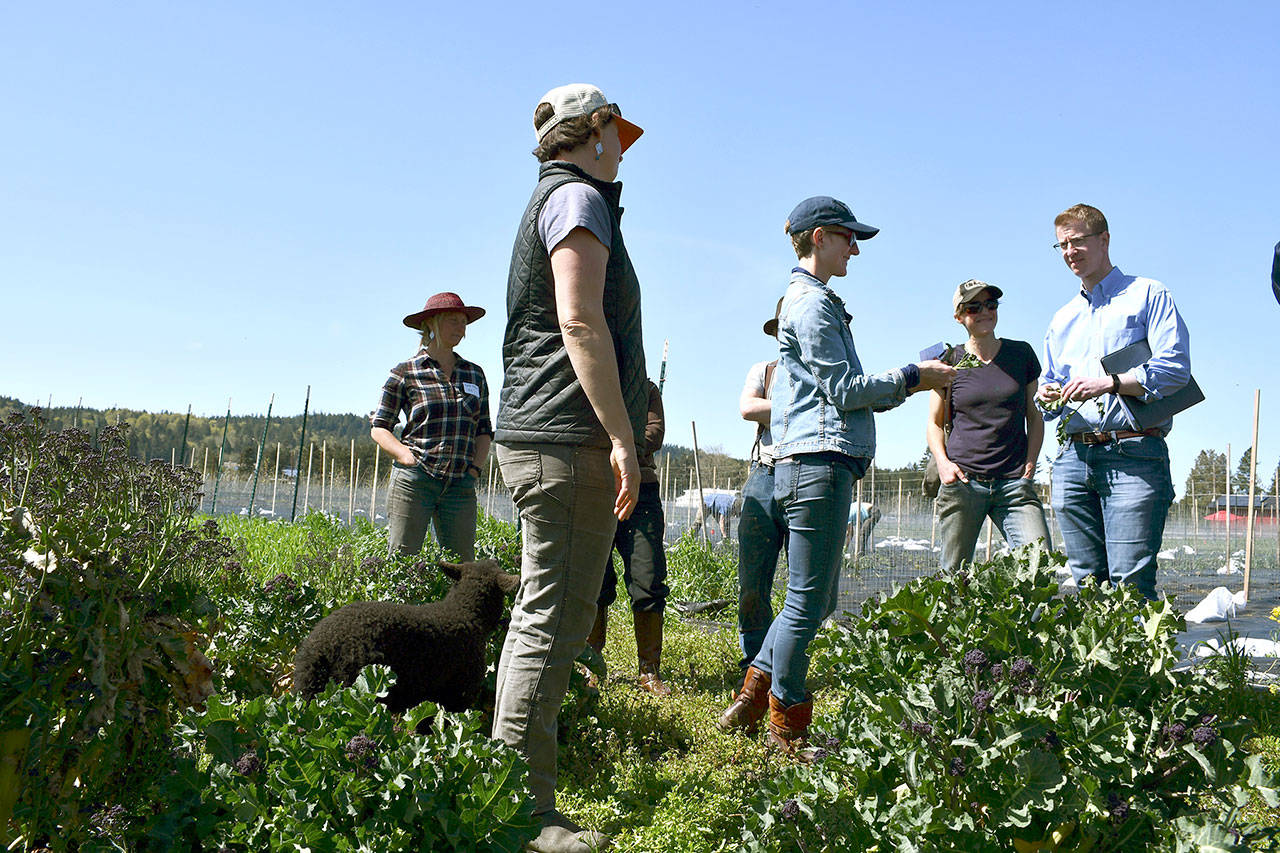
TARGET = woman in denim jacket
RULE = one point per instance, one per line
(824, 440)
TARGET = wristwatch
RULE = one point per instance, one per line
(1115, 383)
(474, 467)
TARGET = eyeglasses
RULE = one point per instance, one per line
(1074, 242)
(847, 236)
(976, 307)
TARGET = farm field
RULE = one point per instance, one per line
(144, 701)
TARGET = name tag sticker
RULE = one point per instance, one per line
(471, 388)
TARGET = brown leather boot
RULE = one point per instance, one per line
(649, 652)
(596, 638)
(750, 704)
(789, 727)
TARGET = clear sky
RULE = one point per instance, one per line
(229, 200)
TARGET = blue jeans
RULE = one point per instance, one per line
(1013, 505)
(1112, 500)
(814, 496)
(762, 533)
(416, 499)
(565, 496)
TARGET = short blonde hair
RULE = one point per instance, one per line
(1090, 216)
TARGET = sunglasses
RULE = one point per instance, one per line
(975, 307)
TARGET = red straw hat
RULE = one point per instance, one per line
(439, 304)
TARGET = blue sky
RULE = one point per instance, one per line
(233, 200)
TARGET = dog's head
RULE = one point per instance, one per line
(483, 570)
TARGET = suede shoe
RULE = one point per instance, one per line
(561, 835)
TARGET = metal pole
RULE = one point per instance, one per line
(186, 424)
(302, 440)
(306, 496)
(702, 503)
(257, 465)
(662, 374)
(213, 510)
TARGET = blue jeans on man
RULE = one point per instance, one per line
(417, 499)
(762, 533)
(1013, 505)
(1112, 500)
(814, 494)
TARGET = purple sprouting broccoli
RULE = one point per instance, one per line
(1117, 807)
(957, 767)
(363, 749)
(1174, 733)
(820, 754)
(1051, 740)
(790, 810)
(248, 764)
(974, 661)
(1021, 669)
(831, 742)
(1204, 736)
(997, 671)
(982, 701)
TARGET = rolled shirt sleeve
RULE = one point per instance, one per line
(1169, 368)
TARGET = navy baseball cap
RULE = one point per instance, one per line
(825, 210)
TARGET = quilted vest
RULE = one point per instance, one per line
(542, 399)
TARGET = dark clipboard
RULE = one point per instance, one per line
(1146, 415)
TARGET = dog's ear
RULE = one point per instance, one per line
(508, 583)
(453, 570)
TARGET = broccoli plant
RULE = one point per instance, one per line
(981, 710)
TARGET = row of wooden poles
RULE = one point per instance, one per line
(695, 481)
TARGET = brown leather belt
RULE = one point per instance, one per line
(1108, 437)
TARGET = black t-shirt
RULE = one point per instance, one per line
(989, 413)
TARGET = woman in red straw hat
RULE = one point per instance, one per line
(446, 436)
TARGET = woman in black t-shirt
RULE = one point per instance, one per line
(988, 463)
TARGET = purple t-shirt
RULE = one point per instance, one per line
(989, 413)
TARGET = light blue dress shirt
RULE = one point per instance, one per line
(1121, 310)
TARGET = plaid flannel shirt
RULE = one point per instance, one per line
(443, 416)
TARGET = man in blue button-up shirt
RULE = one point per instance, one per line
(1111, 483)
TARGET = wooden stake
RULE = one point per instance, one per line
(275, 484)
(351, 483)
(857, 527)
(1253, 475)
(899, 507)
(1228, 507)
(702, 503)
(373, 501)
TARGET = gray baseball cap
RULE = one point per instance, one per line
(971, 288)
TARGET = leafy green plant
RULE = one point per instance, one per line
(697, 571)
(979, 710)
(99, 645)
(340, 773)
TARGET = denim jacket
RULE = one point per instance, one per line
(821, 398)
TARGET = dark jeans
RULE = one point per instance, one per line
(814, 494)
(644, 563)
(417, 499)
(762, 534)
(1112, 501)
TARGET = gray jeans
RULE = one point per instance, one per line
(565, 497)
(1013, 506)
(417, 499)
